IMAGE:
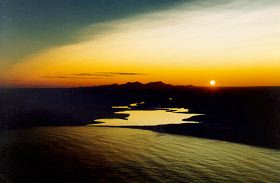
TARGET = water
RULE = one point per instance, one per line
(110, 154)
(159, 116)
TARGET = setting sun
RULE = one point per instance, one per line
(212, 82)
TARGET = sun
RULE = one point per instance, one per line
(212, 82)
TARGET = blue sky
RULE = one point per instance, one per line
(30, 25)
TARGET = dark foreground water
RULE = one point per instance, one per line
(107, 154)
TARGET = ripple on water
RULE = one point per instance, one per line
(132, 155)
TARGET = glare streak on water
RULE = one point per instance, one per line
(132, 155)
(120, 107)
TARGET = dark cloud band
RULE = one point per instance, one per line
(94, 75)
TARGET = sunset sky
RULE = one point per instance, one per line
(70, 43)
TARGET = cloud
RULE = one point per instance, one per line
(67, 77)
(108, 74)
(46, 24)
(93, 75)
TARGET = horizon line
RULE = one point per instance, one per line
(175, 85)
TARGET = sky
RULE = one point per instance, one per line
(71, 43)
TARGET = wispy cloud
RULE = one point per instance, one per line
(93, 75)
(45, 26)
(67, 77)
(108, 74)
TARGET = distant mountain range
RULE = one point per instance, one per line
(139, 85)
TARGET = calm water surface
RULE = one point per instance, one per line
(109, 154)
(160, 116)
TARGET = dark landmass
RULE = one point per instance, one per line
(247, 115)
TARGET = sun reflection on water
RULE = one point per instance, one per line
(159, 116)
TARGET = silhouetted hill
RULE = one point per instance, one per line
(136, 86)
